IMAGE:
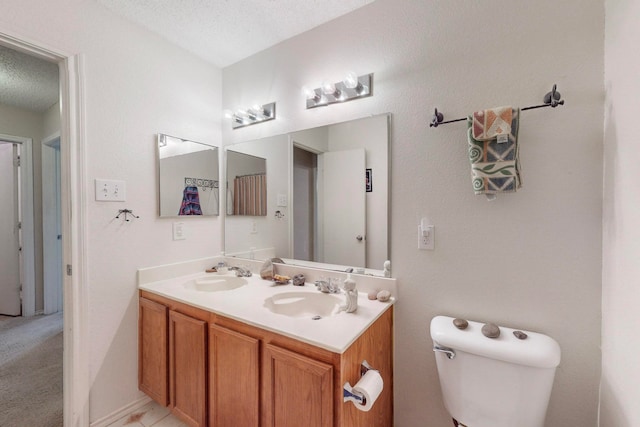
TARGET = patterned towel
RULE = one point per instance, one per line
(190, 202)
(495, 166)
(488, 124)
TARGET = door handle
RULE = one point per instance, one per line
(359, 238)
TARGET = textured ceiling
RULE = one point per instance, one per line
(225, 31)
(27, 82)
(220, 31)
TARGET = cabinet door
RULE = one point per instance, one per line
(188, 370)
(234, 378)
(152, 350)
(297, 390)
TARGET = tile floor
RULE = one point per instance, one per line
(149, 415)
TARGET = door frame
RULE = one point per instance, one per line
(74, 224)
(28, 270)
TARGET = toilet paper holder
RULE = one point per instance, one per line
(348, 394)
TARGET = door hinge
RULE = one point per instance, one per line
(16, 161)
(69, 270)
(19, 225)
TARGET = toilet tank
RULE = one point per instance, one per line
(494, 382)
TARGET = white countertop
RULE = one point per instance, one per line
(246, 304)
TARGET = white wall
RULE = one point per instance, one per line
(621, 273)
(530, 260)
(51, 120)
(136, 85)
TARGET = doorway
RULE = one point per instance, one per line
(73, 224)
(305, 173)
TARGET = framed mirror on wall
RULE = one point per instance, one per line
(322, 207)
(188, 178)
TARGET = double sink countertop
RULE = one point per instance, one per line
(281, 308)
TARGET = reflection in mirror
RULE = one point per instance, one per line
(328, 193)
(246, 184)
(188, 177)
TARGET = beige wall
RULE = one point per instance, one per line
(530, 260)
(135, 85)
(621, 272)
(51, 121)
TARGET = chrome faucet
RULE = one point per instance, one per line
(241, 271)
(328, 286)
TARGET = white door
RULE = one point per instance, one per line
(344, 207)
(9, 231)
(51, 226)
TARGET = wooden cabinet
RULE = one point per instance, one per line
(188, 368)
(219, 372)
(234, 378)
(298, 390)
(153, 368)
(172, 357)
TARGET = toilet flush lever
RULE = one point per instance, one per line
(446, 350)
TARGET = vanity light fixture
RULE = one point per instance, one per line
(251, 116)
(352, 87)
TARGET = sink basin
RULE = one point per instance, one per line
(215, 283)
(304, 304)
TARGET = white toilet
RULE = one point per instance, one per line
(494, 382)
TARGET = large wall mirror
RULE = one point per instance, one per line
(327, 197)
(188, 178)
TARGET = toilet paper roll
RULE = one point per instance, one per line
(370, 386)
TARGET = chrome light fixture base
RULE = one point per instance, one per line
(254, 115)
(342, 92)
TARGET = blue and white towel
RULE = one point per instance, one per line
(190, 202)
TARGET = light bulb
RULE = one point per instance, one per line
(228, 114)
(351, 80)
(240, 116)
(328, 88)
(311, 93)
(258, 110)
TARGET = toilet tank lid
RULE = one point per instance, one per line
(537, 350)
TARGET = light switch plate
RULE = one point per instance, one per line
(282, 200)
(110, 190)
(179, 231)
(426, 237)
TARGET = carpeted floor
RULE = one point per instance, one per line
(31, 371)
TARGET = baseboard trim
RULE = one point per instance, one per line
(122, 412)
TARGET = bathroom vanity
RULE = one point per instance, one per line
(247, 352)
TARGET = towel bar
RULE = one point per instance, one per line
(551, 99)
